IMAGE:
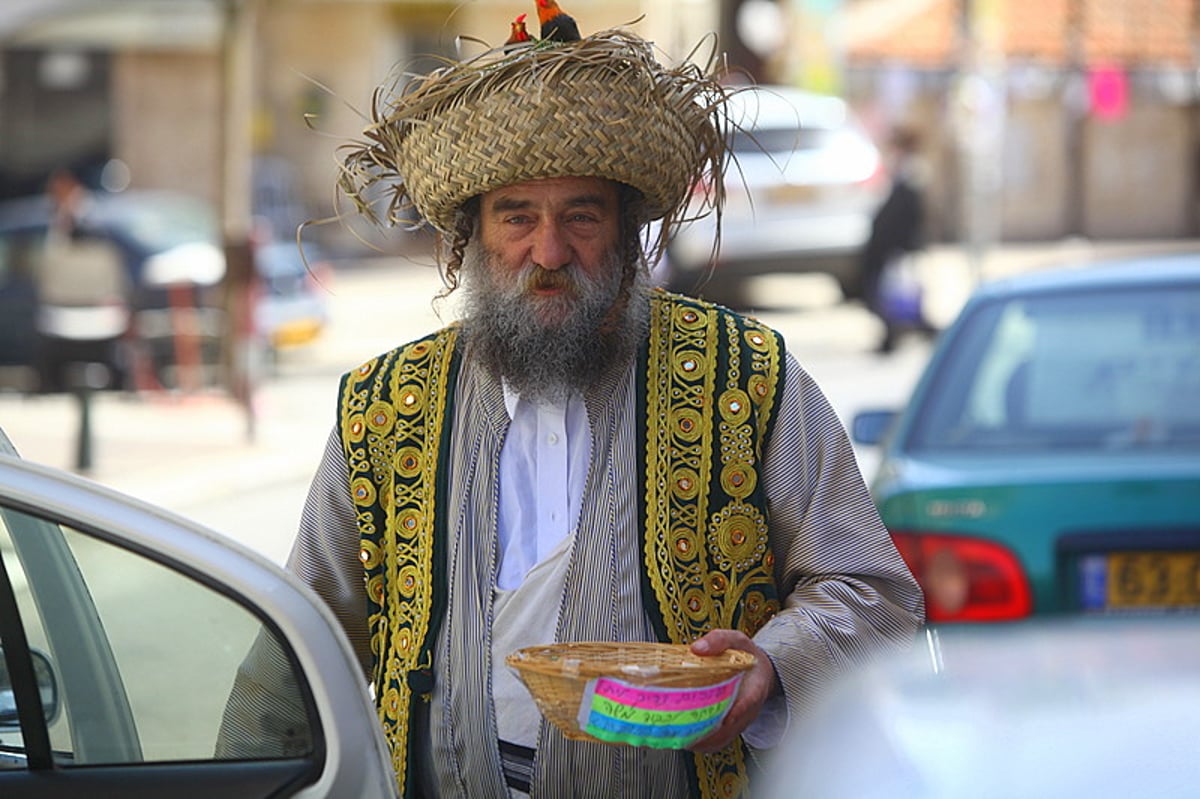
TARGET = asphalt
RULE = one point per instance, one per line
(170, 448)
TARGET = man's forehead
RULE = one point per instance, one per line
(571, 190)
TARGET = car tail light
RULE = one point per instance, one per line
(876, 178)
(966, 579)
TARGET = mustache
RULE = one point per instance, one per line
(539, 279)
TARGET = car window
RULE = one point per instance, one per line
(145, 656)
(778, 140)
(159, 222)
(1103, 370)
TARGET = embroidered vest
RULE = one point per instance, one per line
(707, 383)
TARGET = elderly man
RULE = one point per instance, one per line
(581, 457)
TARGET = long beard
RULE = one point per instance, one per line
(546, 347)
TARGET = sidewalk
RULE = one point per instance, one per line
(171, 450)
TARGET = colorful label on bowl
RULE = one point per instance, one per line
(662, 718)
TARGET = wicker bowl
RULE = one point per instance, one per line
(631, 693)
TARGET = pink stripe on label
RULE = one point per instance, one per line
(652, 698)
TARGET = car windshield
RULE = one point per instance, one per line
(1103, 370)
(157, 224)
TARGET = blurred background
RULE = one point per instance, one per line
(1046, 126)
(1042, 118)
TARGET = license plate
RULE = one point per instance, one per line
(789, 194)
(1141, 580)
(294, 334)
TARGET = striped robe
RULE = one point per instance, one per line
(845, 591)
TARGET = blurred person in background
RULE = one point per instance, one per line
(69, 199)
(83, 295)
(889, 278)
(580, 457)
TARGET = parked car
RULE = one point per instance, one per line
(171, 244)
(293, 308)
(122, 628)
(1098, 708)
(800, 196)
(1048, 460)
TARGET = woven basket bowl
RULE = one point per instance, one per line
(558, 674)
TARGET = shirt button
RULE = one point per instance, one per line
(552, 438)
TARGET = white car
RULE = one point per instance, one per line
(1103, 708)
(804, 185)
(123, 628)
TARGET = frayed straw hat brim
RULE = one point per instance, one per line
(600, 107)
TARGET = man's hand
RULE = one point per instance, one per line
(758, 685)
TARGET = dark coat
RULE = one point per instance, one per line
(896, 228)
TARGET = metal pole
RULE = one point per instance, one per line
(236, 212)
(83, 447)
(84, 379)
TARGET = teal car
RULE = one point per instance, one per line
(1048, 460)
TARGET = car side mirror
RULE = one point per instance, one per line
(47, 683)
(869, 427)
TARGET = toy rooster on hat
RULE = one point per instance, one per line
(556, 25)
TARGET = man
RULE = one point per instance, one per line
(83, 295)
(581, 457)
(892, 291)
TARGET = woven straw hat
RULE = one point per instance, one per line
(602, 106)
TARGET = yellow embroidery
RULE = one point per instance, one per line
(710, 394)
(393, 412)
(706, 550)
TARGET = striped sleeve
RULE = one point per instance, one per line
(325, 552)
(846, 594)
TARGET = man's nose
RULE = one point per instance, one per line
(550, 247)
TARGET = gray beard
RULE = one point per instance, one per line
(504, 331)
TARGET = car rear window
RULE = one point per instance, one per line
(1101, 370)
(778, 140)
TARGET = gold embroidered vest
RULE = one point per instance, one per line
(707, 382)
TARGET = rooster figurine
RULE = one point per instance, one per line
(556, 26)
(519, 37)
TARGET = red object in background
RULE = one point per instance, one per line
(1108, 92)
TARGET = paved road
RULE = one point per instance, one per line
(192, 454)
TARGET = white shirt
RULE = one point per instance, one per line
(543, 468)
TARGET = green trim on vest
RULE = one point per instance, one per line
(707, 381)
(709, 389)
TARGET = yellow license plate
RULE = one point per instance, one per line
(295, 334)
(789, 194)
(1153, 579)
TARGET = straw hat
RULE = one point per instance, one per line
(602, 106)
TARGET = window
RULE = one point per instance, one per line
(1094, 371)
(145, 656)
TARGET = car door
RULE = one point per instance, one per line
(133, 651)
